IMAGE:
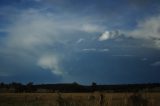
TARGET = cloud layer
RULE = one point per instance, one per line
(72, 39)
(45, 36)
(148, 29)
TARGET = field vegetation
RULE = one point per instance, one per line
(80, 99)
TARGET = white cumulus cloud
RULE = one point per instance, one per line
(50, 62)
(104, 36)
(108, 35)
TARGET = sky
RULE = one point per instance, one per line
(83, 41)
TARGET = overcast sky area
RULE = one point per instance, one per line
(84, 41)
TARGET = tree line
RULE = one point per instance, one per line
(75, 87)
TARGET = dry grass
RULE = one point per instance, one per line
(80, 99)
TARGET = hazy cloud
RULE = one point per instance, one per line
(95, 50)
(80, 40)
(157, 63)
(4, 74)
(144, 59)
(38, 33)
(38, 0)
(89, 50)
(148, 29)
(104, 50)
(90, 28)
(123, 55)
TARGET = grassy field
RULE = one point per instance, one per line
(80, 99)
